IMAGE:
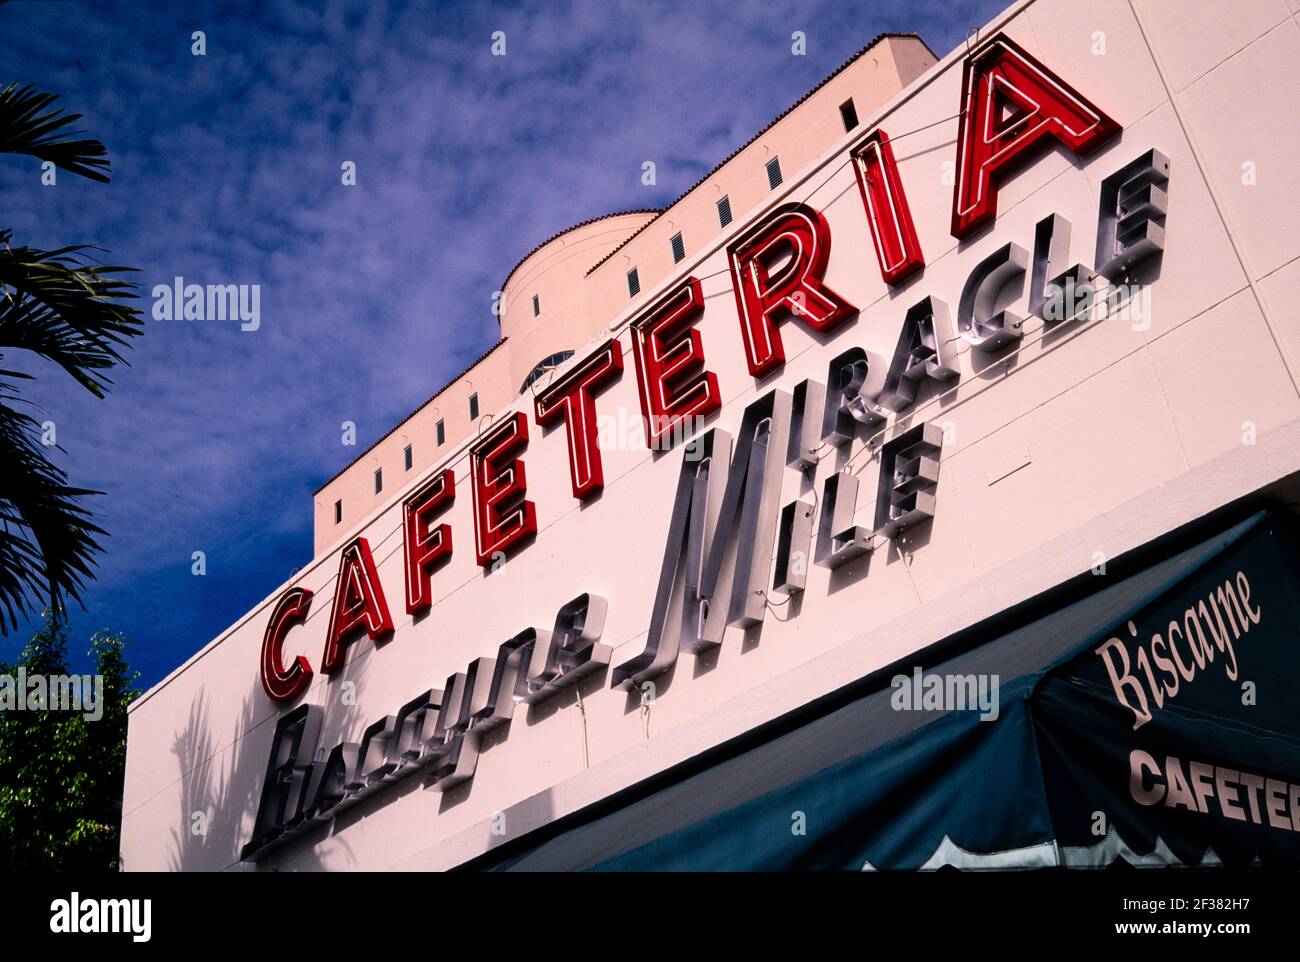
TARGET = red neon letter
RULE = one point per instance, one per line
(502, 518)
(571, 398)
(796, 289)
(890, 219)
(358, 603)
(1011, 104)
(425, 546)
(670, 373)
(279, 683)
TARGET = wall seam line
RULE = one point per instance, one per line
(1279, 342)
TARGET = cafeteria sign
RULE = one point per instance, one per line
(726, 522)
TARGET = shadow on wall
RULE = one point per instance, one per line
(203, 825)
(220, 792)
(221, 788)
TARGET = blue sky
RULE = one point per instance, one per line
(226, 170)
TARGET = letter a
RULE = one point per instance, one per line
(1011, 106)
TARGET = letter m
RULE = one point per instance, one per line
(718, 555)
(223, 302)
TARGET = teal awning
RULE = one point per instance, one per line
(1189, 754)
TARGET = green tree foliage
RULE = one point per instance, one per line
(61, 773)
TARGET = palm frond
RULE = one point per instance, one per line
(47, 541)
(29, 125)
(65, 308)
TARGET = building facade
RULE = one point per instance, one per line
(565, 291)
(947, 335)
